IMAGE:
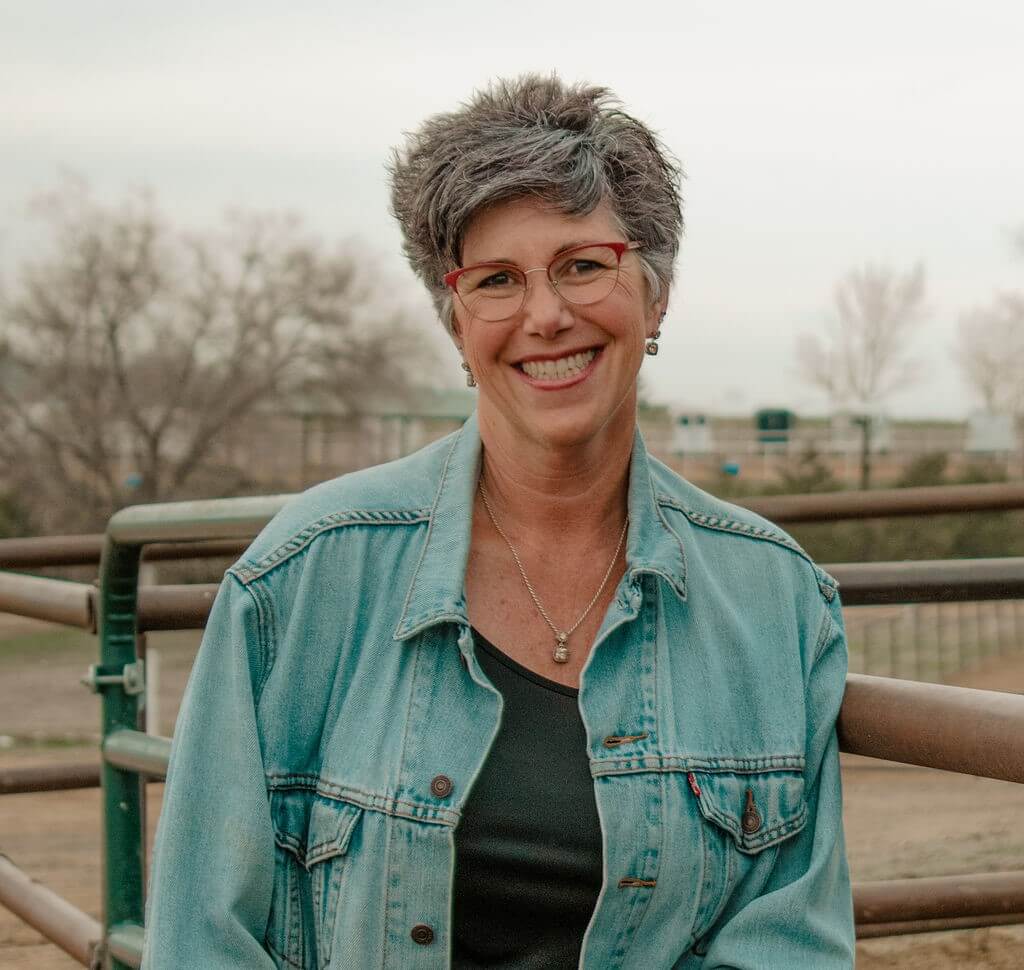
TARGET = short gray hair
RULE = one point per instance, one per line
(533, 136)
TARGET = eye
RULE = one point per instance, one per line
(500, 278)
(582, 267)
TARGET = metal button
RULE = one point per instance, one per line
(751, 818)
(441, 786)
(422, 934)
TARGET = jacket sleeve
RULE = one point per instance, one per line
(803, 918)
(212, 871)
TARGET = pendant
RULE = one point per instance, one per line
(561, 654)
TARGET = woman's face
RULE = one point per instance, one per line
(509, 358)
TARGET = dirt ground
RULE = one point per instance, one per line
(900, 821)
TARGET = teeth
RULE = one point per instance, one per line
(551, 370)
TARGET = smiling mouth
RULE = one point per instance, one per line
(560, 369)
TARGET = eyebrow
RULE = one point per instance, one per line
(511, 262)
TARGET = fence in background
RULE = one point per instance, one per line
(932, 642)
(978, 732)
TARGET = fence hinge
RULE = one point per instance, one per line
(131, 679)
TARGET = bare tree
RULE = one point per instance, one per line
(131, 346)
(990, 352)
(866, 354)
(990, 346)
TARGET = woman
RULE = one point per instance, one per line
(525, 698)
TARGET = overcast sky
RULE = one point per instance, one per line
(816, 136)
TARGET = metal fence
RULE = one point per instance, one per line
(932, 642)
(956, 729)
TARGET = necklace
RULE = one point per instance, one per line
(560, 654)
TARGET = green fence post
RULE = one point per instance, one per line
(128, 754)
(123, 793)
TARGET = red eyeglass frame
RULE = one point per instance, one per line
(450, 279)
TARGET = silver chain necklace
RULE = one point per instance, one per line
(560, 655)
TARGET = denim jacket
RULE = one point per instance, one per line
(336, 718)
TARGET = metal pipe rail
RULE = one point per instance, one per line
(75, 550)
(888, 502)
(186, 607)
(75, 932)
(929, 581)
(55, 600)
(936, 898)
(860, 584)
(870, 931)
(137, 751)
(85, 550)
(60, 777)
(975, 732)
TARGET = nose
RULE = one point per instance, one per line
(545, 313)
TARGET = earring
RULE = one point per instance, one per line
(470, 379)
(651, 347)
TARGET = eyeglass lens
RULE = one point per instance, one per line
(496, 291)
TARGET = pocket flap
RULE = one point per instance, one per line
(757, 809)
(312, 828)
(330, 829)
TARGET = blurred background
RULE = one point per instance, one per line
(204, 293)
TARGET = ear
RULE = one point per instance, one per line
(658, 310)
(456, 330)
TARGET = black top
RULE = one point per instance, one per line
(528, 861)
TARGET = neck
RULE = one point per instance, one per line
(562, 493)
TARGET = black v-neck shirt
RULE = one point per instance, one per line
(528, 859)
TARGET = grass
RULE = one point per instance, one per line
(40, 742)
(42, 703)
(74, 645)
(46, 645)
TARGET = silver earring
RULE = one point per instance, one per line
(470, 379)
(651, 347)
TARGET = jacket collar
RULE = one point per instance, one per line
(437, 592)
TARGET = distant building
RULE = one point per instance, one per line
(691, 434)
(991, 434)
(313, 440)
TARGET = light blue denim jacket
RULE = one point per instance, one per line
(337, 679)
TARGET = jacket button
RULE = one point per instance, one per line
(751, 818)
(441, 786)
(422, 934)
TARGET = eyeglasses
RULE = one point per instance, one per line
(582, 275)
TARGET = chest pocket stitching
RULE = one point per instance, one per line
(330, 830)
(777, 795)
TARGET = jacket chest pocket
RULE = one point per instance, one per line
(745, 816)
(312, 836)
